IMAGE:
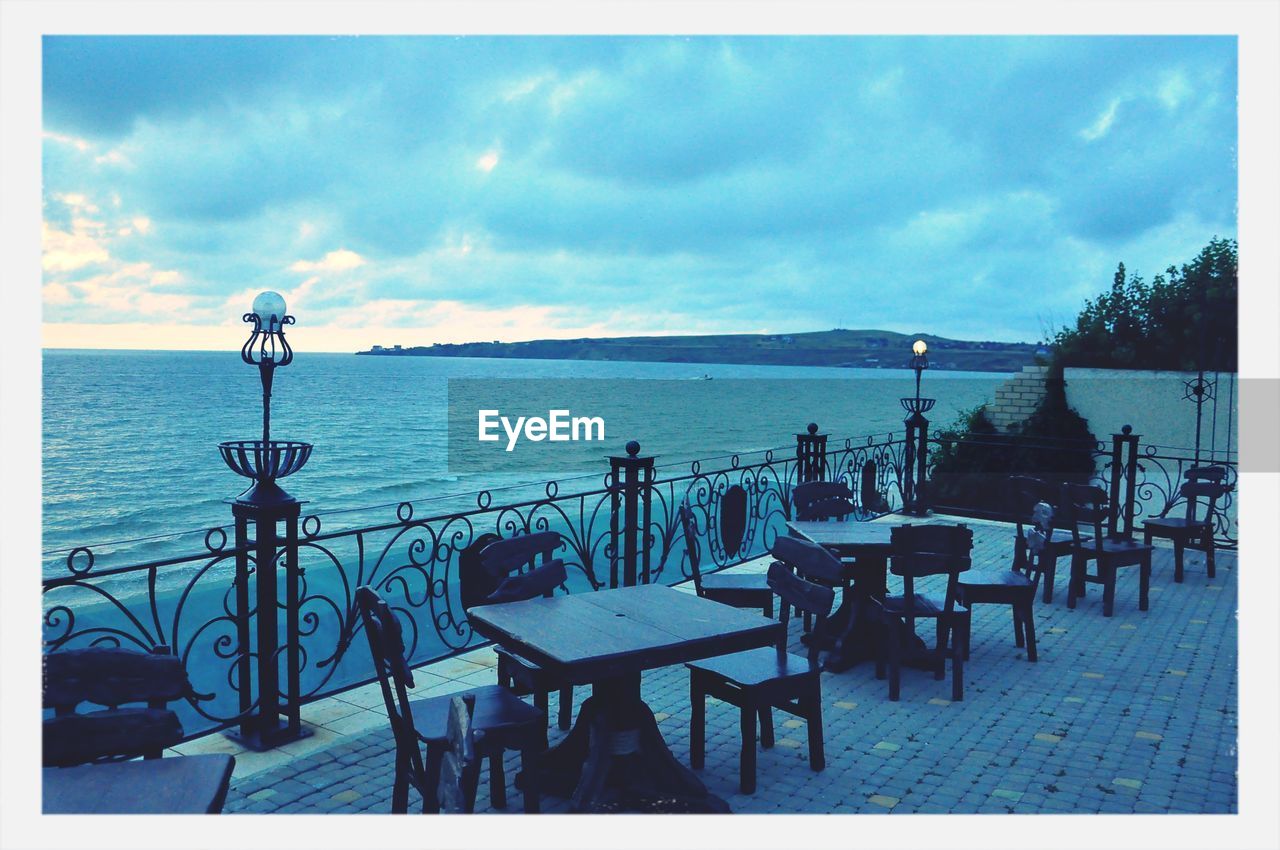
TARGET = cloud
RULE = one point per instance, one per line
(546, 186)
(335, 261)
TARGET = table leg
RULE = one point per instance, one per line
(615, 759)
(857, 636)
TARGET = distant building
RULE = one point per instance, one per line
(378, 348)
(397, 348)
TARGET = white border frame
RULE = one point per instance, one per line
(22, 22)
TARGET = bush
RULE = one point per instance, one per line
(972, 461)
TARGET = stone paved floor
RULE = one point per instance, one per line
(1133, 714)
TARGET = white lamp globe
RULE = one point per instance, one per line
(270, 309)
(917, 349)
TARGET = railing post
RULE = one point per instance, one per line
(631, 487)
(257, 530)
(811, 455)
(916, 458)
(1124, 463)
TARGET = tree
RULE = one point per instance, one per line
(1185, 319)
(972, 461)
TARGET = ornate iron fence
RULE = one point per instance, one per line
(1142, 480)
(188, 602)
(1161, 470)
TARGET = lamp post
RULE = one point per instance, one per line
(917, 448)
(265, 505)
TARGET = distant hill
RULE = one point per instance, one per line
(868, 349)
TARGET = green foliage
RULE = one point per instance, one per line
(972, 461)
(1185, 319)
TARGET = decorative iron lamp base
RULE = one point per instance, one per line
(917, 406)
(917, 451)
(258, 512)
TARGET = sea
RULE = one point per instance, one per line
(132, 473)
(131, 468)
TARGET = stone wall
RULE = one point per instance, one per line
(1156, 405)
(1017, 398)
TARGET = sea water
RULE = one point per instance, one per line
(130, 461)
(130, 437)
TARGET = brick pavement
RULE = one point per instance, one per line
(1133, 714)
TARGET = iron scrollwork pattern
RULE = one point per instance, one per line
(1161, 473)
(186, 603)
(189, 602)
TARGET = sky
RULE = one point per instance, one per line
(411, 190)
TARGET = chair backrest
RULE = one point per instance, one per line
(823, 500)
(1088, 506)
(806, 597)
(386, 645)
(1032, 541)
(541, 581)
(459, 767)
(927, 550)
(518, 554)
(487, 563)
(475, 585)
(1024, 493)
(1202, 483)
(808, 559)
(111, 677)
(1212, 473)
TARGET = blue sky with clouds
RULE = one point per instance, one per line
(420, 189)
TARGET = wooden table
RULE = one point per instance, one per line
(852, 631)
(180, 785)
(615, 753)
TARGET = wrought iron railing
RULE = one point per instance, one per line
(1143, 480)
(1162, 470)
(412, 559)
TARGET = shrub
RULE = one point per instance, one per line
(972, 461)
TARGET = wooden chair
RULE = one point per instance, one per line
(1087, 505)
(505, 557)
(1188, 532)
(759, 680)
(115, 678)
(1025, 492)
(920, 551)
(823, 500)
(501, 720)
(1016, 586)
(741, 591)
(826, 501)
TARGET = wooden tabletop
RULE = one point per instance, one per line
(179, 785)
(585, 637)
(866, 535)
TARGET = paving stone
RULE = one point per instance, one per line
(1041, 737)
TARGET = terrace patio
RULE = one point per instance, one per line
(1132, 714)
